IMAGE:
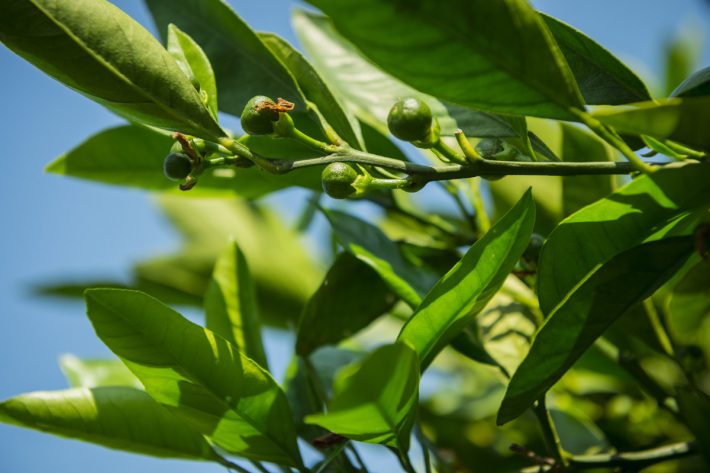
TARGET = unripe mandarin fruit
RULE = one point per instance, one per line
(259, 116)
(338, 180)
(410, 119)
(177, 166)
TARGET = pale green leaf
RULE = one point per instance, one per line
(94, 373)
(208, 383)
(230, 304)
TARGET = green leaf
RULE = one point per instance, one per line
(243, 65)
(485, 125)
(194, 63)
(133, 156)
(579, 435)
(230, 305)
(116, 417)
(350, 297)
(689, 305)
(697, 85)
(219, 391)
(87, 373)
(682, 53)
(623, 219)
(315, 90)
(300, 388)
(375, 401)
(677, 119)
(369, 244)
(601, 77)
(586, 312)
(96, 49)
(492, 56)
(547, 193)
(580, 191)
(365, 90)
(465, 290)
(694, 406)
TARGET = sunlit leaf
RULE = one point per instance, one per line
(96, 49)
(375, 401)
(95, 373)
(463, 292)
(116, 417)
(230, 305)
(493, 56)
(597, 301)
(208, 383)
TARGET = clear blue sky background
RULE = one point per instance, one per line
(54, 227)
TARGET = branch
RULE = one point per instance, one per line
(635, 460)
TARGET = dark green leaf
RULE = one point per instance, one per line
(115, 417)
(463, 292)
(133, 156)
(315, 90)
(243, 65)
(493, 56)
(369, 244)
(219, 391)
(195, 64)
(230, 305)
(694, 406)
(601, 77)
(697, 85)
(580, 191)
(625, 218)
(96, 49)
(350, 297)
(485, 125)
(689, 305)
(586, 312)
(375, 401)
(677, 119)
(85, 373)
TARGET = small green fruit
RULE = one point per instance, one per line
(410, 119)
(259, 116)
(177, 166)
(338, 180)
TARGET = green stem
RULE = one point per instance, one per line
(331, 457)
(468, 150)
(259, 466)
(405, 461)
(318, 145)
(454, 193)
(635, 461)
(231, 466)
(482, 220)
(441, 462)
(449, 152)
(658, 329)
(613, 139)
(549, 433)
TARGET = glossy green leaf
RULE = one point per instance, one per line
(601, 77)
(580, 191)
(133, 156)
(96, 49)
(586, 312)
(243, 65)
(465, 290)
(315, 90)
(350, 297)
(689, 305)
(661, 147)
(230, 305)
(493, 56)
(116, 417)
(369, 244)
(679, 119)
(218, 390)
(485, 125)
(375, 401)
(697, 85)
(94, 373)
(365, 90)
(194, 63)
(623, 219)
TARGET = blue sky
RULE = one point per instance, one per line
(54, 227)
